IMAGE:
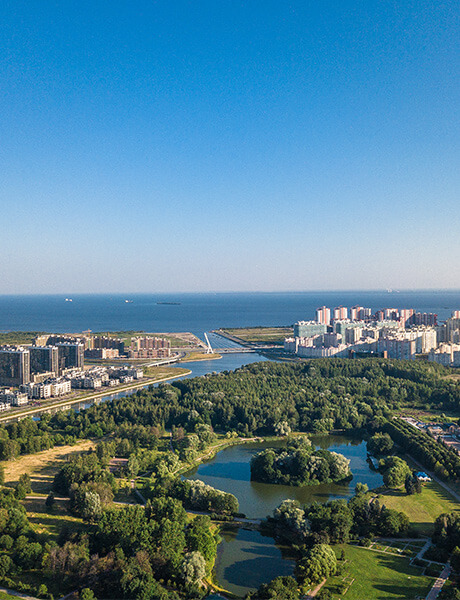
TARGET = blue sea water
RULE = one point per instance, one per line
(198, 312)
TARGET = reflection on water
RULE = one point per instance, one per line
(246, 559)
(229, 471)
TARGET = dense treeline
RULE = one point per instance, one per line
(313, 396)
(194, 494)
(445, 462)
(299, 464)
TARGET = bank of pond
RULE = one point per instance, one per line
(246, 557)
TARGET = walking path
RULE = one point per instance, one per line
(313, 592)
(17, 594)
(440, 581)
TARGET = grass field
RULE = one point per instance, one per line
(43, 466)
(162, 372)
(261, 334)
(52, 522)
(422, 509)
(195, 356)
(378, 576)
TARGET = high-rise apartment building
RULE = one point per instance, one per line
(359, 313)
(406, 316)
(70, 355)
(340, 312)
(44, 358)
(14, 366)
(323, 315)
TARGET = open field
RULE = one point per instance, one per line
(196, 356)
(18, 337)
(163, 372)
(422, 509)
(271, 335)
(43, 466)
(53, 521)
(378, 576)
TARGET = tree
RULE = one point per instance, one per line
(91, 506)
(395, 471)
(6, 565)
(87, 594)
(318, 563)
(133, 465)
(2, 475)
(361, 489)
(49, 502)
(455, 559)
(199, 538)
(280, 587)
(380, 443)
(193, 567)
(282, 428)
(412, 484)
(42, 591)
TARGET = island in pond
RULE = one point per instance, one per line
(299, 464)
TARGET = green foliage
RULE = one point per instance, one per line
(380, 443)
(445, 462)
(23, 487)
(455, 559)
(280, 587)
(195, 495)
(318, 563)
(199, 538)
(336, 520)
(447, 531)
(412, 484)
(299, 465)
(395, 471)
(193, 567)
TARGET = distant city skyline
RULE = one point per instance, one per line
(230, 146)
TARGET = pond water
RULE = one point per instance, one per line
(246, 558)
(229, 471)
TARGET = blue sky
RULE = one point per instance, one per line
(229, 145)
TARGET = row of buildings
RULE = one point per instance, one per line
(19, 364)
(106, 347)
(393, 333)
(90, 379)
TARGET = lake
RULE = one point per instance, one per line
(246, 558)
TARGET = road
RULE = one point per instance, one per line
(64, 403)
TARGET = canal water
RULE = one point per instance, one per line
(246, 558)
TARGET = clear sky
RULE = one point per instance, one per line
(229, 145)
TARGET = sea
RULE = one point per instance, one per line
(199, 312)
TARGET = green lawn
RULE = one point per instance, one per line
(378, 576)
(51, 523)
(422, 509)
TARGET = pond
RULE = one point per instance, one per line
(246, 558)
(229, 471)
